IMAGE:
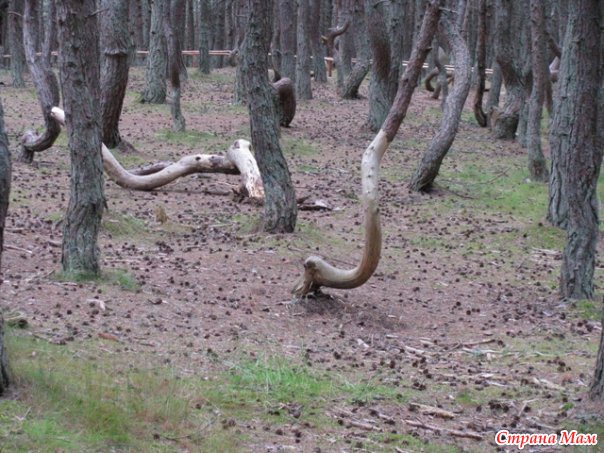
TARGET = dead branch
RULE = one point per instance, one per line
(450, 432)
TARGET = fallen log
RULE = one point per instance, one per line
(239, 160)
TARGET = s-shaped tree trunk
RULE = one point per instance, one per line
(5, 178)
(79, 57)
(439, 146)
(280, 209)
(45, 81)
(317, 272)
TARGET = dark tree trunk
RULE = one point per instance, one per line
(386, 40)
(280, 208)
(15, 36)
(536, 160)
(204, 36)
(45, 81)
(5, 179)
(596, 392)
(481, 62)
(350, 90)
(177, 22)
(79, 56)
(318, 51)
(343, 44)
(218, 33)
(575, 142)
(155, 74)
(510, 36)
(174, 67)
(426, 172)
(115, 43)
(135, 13)
(303, 87)
(287, 39)
(285, 101)
(146, 12)
(189, 44)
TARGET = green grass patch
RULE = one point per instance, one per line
(117, 277)
(588, 309)
(297, 147)
(123, 225)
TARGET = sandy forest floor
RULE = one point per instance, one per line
(190, 343)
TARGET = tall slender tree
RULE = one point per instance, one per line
(15, 36)
(79, 61)
(287, 38)
(204, 36)
(5, 179)
(155, 73)
(280, 209)
(303, 86)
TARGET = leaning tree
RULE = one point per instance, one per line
(5, 178)
(79, 61)
(317, 271)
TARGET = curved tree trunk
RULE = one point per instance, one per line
(536, 160)
(350, 89)
(280, 208)
(115, 44)
(439, 146)
(79, 54)
(481, 63)
(174, 68)
(45, 81)
(303, 86)
(576, 142)
(155, 74)
(15, 37)
(317, 272)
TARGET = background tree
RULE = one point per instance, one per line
(79, 61)
(115, 43)
(303, 86)
(170, 24)
(318, 50)
(5, 179)
(350, 89)
(575, 143)
(204, 36)
(287, 38)
(15, 36)
(155, 74)
(481, 61)
(280, 209)
(44, 78)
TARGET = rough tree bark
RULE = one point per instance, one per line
(343, 44)
(350, 89)
(575, 142)
(170, 22)
(439, 146)
(115, 44)
(45, 81)
(15, 37)
(510, 34)
(155, 73)
(285, 101)
(280, 208)
(481, 63)
(176, 12)
(218, 31)
(79, 62)
(319, 273)
(287, 39)
(303, 87)
(318, 51)
(204, 36)
(536, 160)
(385, 36)
(5, 179)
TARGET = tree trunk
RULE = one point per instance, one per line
(5, 179)
(45, 81)
(439, 146)
(79, 56)
(576, 142)
(285, 101)
(287, 39)
(15, 36)
(174, 69)
(155, 74)
(218, 22)
(318, 51)
(280, 208)
(317, 272)
(385, 49)
(303, 87)
(350, 90)
(536, 160)
(481, 61)
(177, 22)
(189, 44)
(344, 44)
(510, 35)
(115, 42)
(204, 36)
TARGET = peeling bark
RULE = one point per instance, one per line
(319, 273)
(45, 81)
